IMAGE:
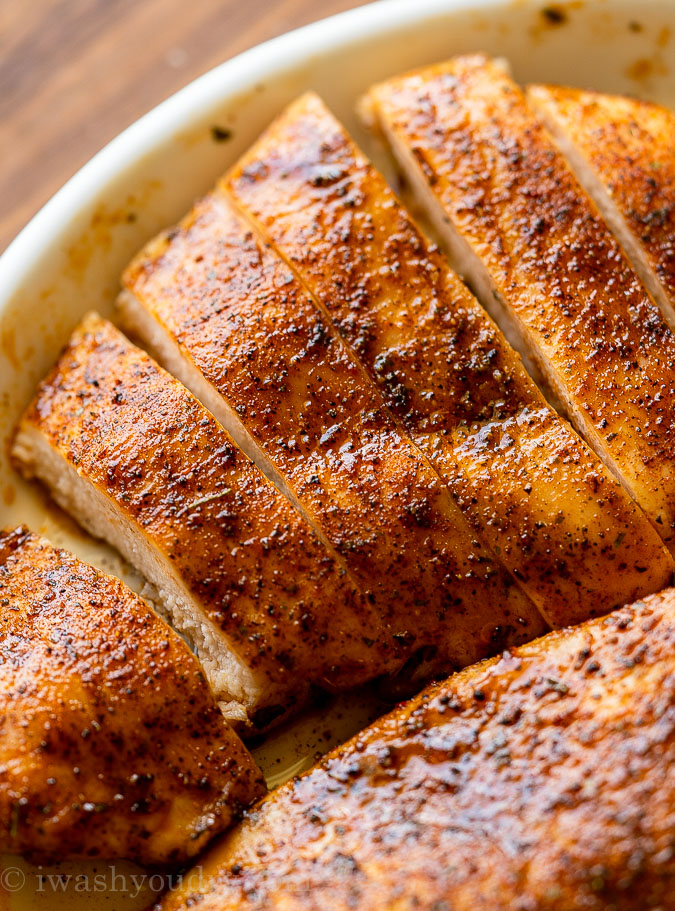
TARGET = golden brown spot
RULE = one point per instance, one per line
(8, 346)
(664, 36)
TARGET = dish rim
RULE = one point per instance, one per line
(186, 108)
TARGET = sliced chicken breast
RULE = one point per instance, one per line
(530, 488)
(543, 780)
(111, 743)
(228, 317)
(138, 461)
(622, 151)
(545, 265)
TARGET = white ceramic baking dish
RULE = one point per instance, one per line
(68, 259)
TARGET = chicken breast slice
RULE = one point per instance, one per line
(111, 743)
(139, 462)
(622, 152)
(531, 490)
(544, 779)
(545, 265)
(227, 316)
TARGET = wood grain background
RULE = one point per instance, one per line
(73, 73)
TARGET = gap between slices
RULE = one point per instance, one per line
(621, 152)
(446, 371)
(138, 461)
(543, 262)
(229, 319)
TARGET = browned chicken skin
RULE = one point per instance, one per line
(543, 781)
(138, 460)
(111, 743)
(621, 150)
(276, 371)
(531, 489)
(530, 239)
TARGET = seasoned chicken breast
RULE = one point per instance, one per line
(544, 263)
(111, 743)
(543, 780)
(530, 488)
(138, 461)
(230, 319)
(621, 151)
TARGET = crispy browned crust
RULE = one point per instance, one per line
(544, 780)
(532, 491)
(243, 553)
(629, 143)
(248, 325)
(111, 744)
(599, 339)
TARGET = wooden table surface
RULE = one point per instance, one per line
(73, 73)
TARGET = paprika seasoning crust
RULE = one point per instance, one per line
(111, 742)
(544, 779)
(531, 490)
(621, 152)
(229, 318)
(139, 462)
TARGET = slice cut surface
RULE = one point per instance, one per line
(621, 151)
(111, 743)
(544, 780)
(529, 487)
(530, 240)
(230, 318)
(138, 461)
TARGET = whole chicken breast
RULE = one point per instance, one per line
(111, 743)
(530, 240)
(531, 490)
(229, 318)
(621, 151)
(543, 780)
(139, 462)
